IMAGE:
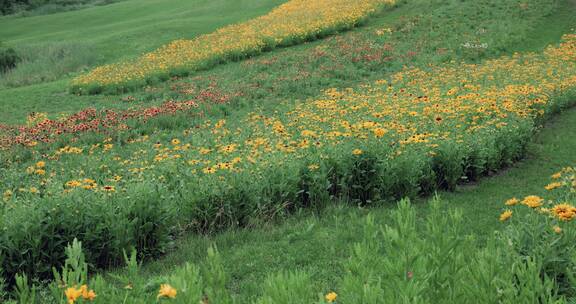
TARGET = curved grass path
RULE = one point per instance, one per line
(319, 243)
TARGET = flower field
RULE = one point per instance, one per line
(415, 132)
(290, 23)
(411, 156)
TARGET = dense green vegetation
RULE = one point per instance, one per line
(8, 58)
(220, 150)
(318, 243)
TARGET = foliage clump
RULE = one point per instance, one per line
(8, 58)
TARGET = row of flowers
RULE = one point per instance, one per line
(292, 22)
(40, 129)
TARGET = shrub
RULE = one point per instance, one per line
(8, 58)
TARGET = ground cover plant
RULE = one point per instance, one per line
(290, 23)
(319, 244)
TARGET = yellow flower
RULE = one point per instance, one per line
(357, 152)
(564, 212)
(40, 171)
(175, 141)
(379, 132)
(72, 294)
(228, 148)
(556, 175)
(167, 291)
(30, 170)
(308, 133)
(34, 190)
(557, 229)
(505, 215)
(209, 170)
(7, 195)
(331, 297)
(511, 202)
(532, 201)
(313, 167)
(73, 184)
(40, 164)
(553, 186)
(204, 151)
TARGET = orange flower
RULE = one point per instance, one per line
(72, 294)
(167, 291)
(564, 212)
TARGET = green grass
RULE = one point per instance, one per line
(131, 27)
(319, 243)
(58, 6)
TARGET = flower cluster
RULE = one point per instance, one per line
(560, 208)
(73, 294)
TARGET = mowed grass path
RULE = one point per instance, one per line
(320, 243)
(129, 28)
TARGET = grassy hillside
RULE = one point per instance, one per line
(261, 80)
(57, 45)
(295, 159)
